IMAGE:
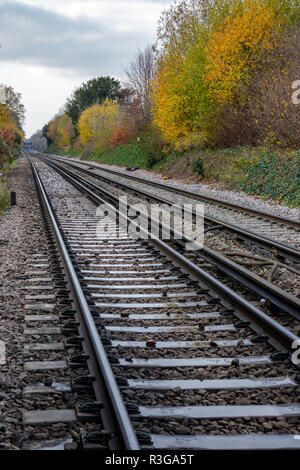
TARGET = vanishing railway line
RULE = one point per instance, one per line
(174, 357)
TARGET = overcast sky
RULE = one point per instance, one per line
(48, 47)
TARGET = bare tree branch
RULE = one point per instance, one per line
(139, 73)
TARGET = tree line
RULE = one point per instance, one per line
(220, 74)
(12, 116)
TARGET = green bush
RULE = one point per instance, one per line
(198, 167)
(151, 143)
(7, 154)
(72, 153)
(4, 195)
(8, 161)
(190, 142)
(272, 176)
(270, 173)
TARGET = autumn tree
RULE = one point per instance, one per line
(45, 131)
(38, 141)
(179, 91)
(52, 130)
(98, 123)
(236, 47)
(59, 131)
(267, 114)
(12, 114)
(64, 132)
(12, 100)
(4, 114)
(95, 91)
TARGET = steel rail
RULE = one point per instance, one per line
(280, 250)
(280, 336)
(278, 298)
(127, 438)
(183, 192)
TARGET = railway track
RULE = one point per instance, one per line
(259, 280)
(176, 358)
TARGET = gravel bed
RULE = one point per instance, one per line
(177, 336)
(212, 398)
(256, 371)
(239, 351)
(220, 427)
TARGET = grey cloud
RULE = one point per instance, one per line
(33, 35)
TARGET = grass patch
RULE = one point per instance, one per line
(168, 160)
(4, 195)
(72, 153)
(131, 155)
(271, 175)
(13, 163)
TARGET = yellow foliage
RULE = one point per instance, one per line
(179, 93)
(9, 129)
(189, 142)
(234, 49)
(4, 115)
(64, 131)
(61, 131)
(97, 123)
(52, 131)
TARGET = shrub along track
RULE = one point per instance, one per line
(223, 375)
